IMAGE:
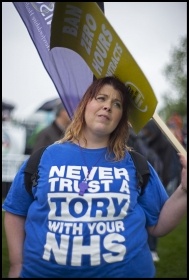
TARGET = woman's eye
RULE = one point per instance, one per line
(100, 98)
(117, 104)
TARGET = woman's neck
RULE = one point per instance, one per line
(93, 142)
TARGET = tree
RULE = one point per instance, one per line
(175, 99)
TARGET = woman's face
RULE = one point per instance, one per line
(103, 112)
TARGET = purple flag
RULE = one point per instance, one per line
(68, 71)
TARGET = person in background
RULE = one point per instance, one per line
(87, 218)
(157, 141)
(54, 131)
(171, 167)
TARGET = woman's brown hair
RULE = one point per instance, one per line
(118, 138)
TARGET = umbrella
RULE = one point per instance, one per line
(7, 106)
(50, 105)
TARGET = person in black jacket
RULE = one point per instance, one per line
(54, 131)
(157, 142)
(154, 145)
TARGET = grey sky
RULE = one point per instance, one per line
(148, 29)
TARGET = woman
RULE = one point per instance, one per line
(87, 218)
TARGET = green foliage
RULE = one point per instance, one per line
(171, 249)
(175, 99)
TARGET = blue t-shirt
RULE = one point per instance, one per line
(100, 234)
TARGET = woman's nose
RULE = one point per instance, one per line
(107, 107)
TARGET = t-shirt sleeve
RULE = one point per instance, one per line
(18, 199)
(153, 198)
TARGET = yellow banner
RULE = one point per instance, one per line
(82, 27)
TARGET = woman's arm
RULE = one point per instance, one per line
(175, 207)
(14, 229)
